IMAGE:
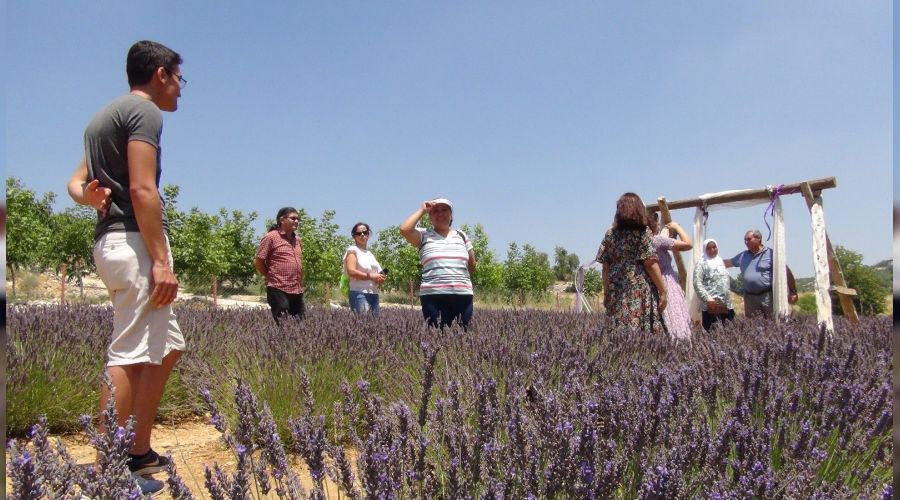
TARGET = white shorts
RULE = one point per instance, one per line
(141, 332)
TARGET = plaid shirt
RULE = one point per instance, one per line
(283, 255)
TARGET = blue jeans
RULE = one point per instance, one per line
(449, 307)
(364, 302)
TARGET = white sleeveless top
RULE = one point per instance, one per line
(365, 262)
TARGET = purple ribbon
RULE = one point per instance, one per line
(770, 210)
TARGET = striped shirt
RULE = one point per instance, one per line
(283, 254)
(445, 263)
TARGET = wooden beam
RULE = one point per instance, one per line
(834, 267)
(679, 263)
(752, 194)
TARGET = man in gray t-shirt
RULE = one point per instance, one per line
(139, 119)
(755, 264)
(119, 176)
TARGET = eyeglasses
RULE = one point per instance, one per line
(182, 83)
(361, 233)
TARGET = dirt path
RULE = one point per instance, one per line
(193, 444)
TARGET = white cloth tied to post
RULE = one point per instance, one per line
(820, 262)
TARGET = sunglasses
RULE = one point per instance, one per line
(294, 218)
(361, 233)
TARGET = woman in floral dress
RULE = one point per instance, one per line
(676, 316)
(634, 292)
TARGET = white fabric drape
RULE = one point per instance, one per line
(820, 264)
(690, 296)
(780, 305)
(581, 303)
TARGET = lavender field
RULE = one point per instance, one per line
(524, 404)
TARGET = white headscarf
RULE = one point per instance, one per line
(714, 262)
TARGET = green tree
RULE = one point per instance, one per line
(402, 259)
(238, 240)
(871, 293)
(208, 249)
(593, 282)
(565, 264)
(323, 248)
(526, 271)
(73, 244)
(29, 230)
(488, 272)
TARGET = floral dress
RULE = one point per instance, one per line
(632, 298)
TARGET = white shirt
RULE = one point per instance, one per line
(366, 263)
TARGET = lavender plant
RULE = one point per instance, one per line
(529, 404)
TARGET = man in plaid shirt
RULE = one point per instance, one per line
(280, 259)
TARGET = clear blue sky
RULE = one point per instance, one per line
(533, 117)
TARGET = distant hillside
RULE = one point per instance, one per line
(884, 269)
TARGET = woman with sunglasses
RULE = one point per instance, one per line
(363, 270)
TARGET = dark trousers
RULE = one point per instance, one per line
(709, 319)
(285, 303)
(449, 307)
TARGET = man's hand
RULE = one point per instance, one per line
(164, 285)
(97, 196)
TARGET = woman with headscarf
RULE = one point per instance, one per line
(634, 291)
(676, 315)
(711, 282)
(448, 263)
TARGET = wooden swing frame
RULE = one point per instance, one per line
(811, 191)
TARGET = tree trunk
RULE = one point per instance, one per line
(411, 291)
(215, 291)
(81, 287)
(12, 275)
(62, 283)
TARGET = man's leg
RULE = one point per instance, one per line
(751, 305)
(124, 380)
(151, 384)
(296, 306)
(278, 301)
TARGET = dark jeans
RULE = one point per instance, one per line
(449, 307)
(285, 303)
(709, 319)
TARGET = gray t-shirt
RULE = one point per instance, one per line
(127, 118)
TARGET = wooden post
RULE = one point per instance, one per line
(666, 217)
(834, 267)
